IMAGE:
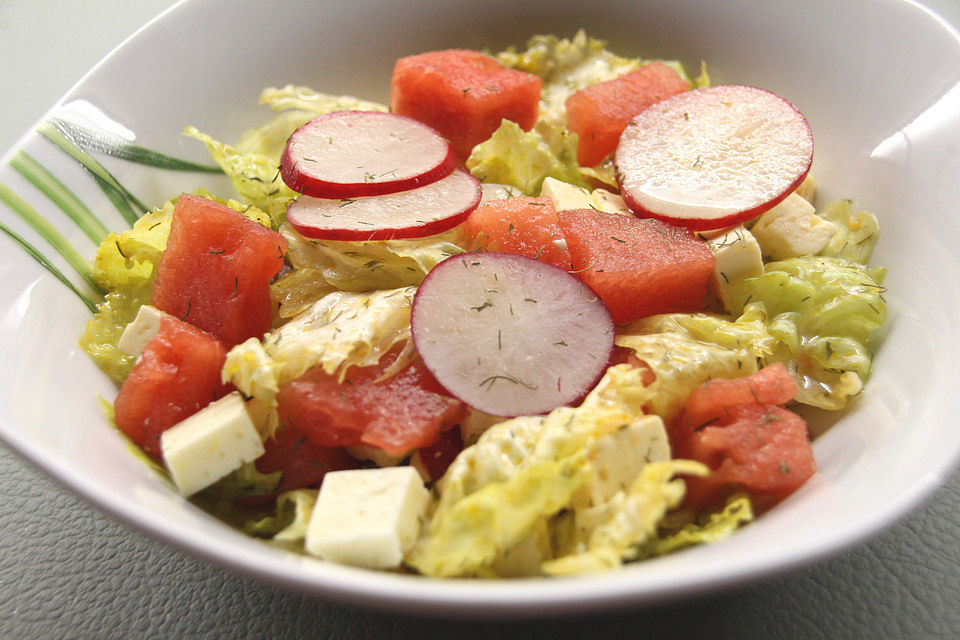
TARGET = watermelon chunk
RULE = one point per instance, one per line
(302, 463)
(177, 374)
(406, 411)
(463, 94)
(215, 272)
(522, 225)
(637, 267)
(598, 114)
(750, 445)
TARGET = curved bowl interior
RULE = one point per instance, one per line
(878, 82)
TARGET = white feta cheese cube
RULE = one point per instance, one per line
(138, 333)
(619, 457)
(566, 196)
(807, 189)
(210, 444)
(738, 256)
(792, 229)
(367, 517)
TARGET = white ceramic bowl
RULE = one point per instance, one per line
(877, 80)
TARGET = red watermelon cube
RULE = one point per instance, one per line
(463, 94)
(215, 272)
(637, 267)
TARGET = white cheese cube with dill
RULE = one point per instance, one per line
(210, 444)
(738, 256)
(792, 229)
(367, 517)
(138, 333)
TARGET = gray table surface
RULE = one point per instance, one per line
(69, 571)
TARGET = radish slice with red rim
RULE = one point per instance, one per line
(510, 335)
(364, 153)
(713, 157)
(414, 213)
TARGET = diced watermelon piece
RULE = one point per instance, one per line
(436, 458)
(758, 447)
(177, 375)
(771, 385)
(522, 225)
(637, 267)
(598, 114)
(463, 94)
(403, 412)
(303, 463)
(215, 272)
(763, 449)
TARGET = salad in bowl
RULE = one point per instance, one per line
(548, 311)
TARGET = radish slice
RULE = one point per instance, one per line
(364, 153)
(714, 157)
(415, 213)
(510, 335)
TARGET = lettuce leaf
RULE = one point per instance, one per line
(255, 177)
(566, 65)
(306, 99)
(289, 523)
(719, 525)
(365, 266)
(609, 534)
(519, 472)
(822, 311)
(856, 232)
(523, 159)
(125, 266)
(269, 139)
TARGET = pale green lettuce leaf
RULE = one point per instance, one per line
(823, 312)
(518, 473)
(748, 332)
(856, 231)
(523, 159)
(289, 523)
(269, 139)
(609, 534)
(125, 266)
(566, 65)
(255, 177)
(306, 99)
(719, 525)
(297, 290)
(381, 264)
